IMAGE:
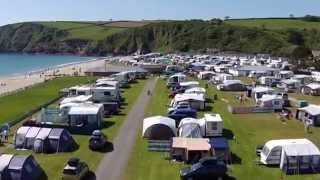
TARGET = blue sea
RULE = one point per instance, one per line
(11, 64)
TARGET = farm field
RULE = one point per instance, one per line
(84, 30)
(249, 131)
(54, 163)
(276, 24)
(94, 30)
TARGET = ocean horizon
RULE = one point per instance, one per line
(15, 64)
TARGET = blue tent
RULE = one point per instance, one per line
(220, 146)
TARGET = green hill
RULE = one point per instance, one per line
(288, 37)
(276, 24)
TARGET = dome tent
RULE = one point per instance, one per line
(159, 128)
(189, 128)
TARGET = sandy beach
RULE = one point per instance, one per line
(16, 82)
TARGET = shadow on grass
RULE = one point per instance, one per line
(126, 87)
(208, 108)
(134, 82)
(227, 133)
(230, 178)
(43, 176)
(107, 148)
(123, 104)
(235, 159)
(91, 176)
(209, 100)
(107, 124)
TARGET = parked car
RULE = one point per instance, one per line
(181, 106)
(206, 168)
(97, 141)
(75, 170)
(178, 114)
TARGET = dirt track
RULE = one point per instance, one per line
(114, 163)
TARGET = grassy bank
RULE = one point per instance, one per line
(276, 24)
(54, 163)
(249, 130)
(15, 105)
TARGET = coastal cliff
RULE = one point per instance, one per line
(101, 38)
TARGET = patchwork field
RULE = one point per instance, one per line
(249, 130)
(83, 30)
(93, 30)
(54, 163)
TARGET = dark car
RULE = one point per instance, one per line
(97, 141)
(178, 114)
(75, 170)
(206, 168)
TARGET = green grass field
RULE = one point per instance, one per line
(276, 23)
(15, 105)
(249, 130)
(310, 99)
(84, 30)
(54, 163)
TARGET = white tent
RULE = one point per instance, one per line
(195, 90)
(272, 101)
(86, 109)
(76, 99)
(159, 127)
(300, 157)
(197, 101)
(20, 137)
(258, 91)
(272, 151)
(189, 128)
(189, 84)
(40, 142)
(4, 163)
(31, 137)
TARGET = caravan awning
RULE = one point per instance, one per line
(311, 109)
(301, 150)
(191, 144)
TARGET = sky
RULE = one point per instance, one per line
(12, 11)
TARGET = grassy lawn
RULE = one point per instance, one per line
(249, 130)
(84, 30)
(310, 99)
(54, 163)
(15, 105)
(276, 23)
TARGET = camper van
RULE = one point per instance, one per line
(211, 125)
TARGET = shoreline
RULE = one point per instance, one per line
(52, 67)
(19, 81)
